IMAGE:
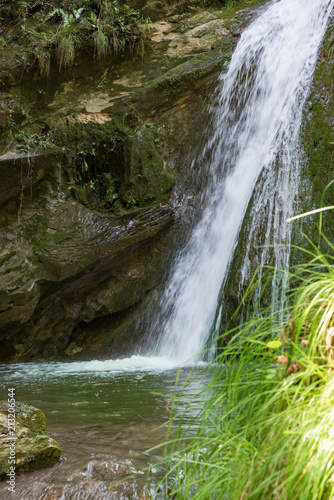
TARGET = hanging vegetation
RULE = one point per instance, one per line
(53, 34)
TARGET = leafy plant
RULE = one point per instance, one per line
(67, 18)
(106, 187)
(58, 33)
(159, 142)
(230, 4)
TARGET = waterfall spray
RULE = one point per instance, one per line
(257, 120)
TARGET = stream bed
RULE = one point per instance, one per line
(105, 415)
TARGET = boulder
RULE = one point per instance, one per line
(25, 444)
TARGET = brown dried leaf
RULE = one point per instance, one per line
(329, 340)
(293, 368)
(283, 336)
(283, 360)
(292, 333)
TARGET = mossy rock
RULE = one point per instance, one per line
(318, 143)
(148, 179)
(34, 448)
(116, 163)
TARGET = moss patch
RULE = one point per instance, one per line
(33, 449)
(116, 165)
(318, 141)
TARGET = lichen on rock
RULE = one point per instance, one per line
(33, 447)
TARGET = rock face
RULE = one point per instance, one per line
(96, 188)
(34, 448)
(318, 144)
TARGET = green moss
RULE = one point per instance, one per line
(115, 163)
(149, 180)
(34, 448)
(182, 76)
(232, 8)
(318, 139)
(206, 31)
(31, 417)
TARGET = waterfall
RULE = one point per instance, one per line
(257, 120)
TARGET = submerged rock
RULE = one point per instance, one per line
(25, 444)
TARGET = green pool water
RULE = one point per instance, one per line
(106, 416)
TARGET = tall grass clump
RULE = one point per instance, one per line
(101, 42)
(264, 429)
(67, 45)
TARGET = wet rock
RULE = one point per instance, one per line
(20, 172)
(88, 228)
(89, 266)
(9, 110)
(25, 442)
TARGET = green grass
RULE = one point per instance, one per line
(264, 429)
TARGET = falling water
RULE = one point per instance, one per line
(257, 121)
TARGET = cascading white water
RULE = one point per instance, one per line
(258, 115)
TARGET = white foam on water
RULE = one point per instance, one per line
(132, 364)
(147, 364)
